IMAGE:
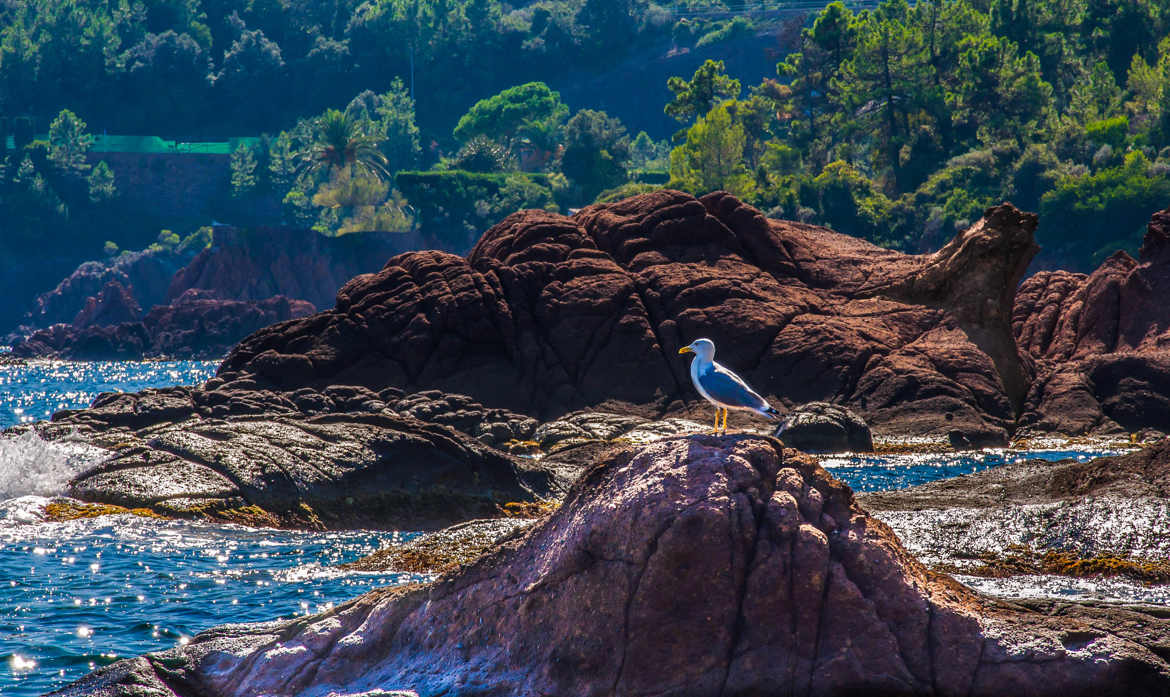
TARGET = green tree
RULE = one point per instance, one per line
(695, 97)
(528, 113)
(101, 183)
(341, 143)
(597, 150)
(69, 142)
(1002, 95)
(243, 168)
(882, 84)
(711, 158)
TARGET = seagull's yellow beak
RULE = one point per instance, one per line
(686, 349)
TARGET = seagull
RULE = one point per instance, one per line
(720, 386)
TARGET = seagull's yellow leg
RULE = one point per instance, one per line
(715, 429)
(725, 419)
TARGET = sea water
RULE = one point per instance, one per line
(78, 595)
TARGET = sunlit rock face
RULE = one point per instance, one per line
(1101, 342)
(549, 314)
(695, 565)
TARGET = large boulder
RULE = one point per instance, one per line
(825, 428)
(1101, 342)
(549, 314)
(692, 566)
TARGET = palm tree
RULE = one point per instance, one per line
(342, 144)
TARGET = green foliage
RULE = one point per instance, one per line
(243, 168)
(526, 114)
(1101, 212)
(69, 142)
(454, 206)
(168, 239)
(695, 97)
(725, 31)
(905, 122)
(482, 154)
(597, 149)
(110, 249)
(197, 241)
(1112, 132)
(100, 183)
(712, 156)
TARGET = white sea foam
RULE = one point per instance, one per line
(30, 465)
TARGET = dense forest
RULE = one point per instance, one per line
(897, 123)
(902, 123)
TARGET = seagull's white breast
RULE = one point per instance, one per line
(696, 370)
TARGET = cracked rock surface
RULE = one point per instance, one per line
(551, 314)
(695, 565)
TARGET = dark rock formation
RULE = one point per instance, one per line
(696, 566)
(199, 305)
(442, 550)
(144, 276)
(1099, 518)
(550, 314)
(825, 428)
(333, 471)
(194, 326)
(114, 305)
(1101, 342)
(251, 456)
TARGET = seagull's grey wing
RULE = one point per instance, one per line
(728, 388)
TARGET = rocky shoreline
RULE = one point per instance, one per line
(694, 565)
(538, 377)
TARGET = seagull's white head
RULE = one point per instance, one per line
(703, 348)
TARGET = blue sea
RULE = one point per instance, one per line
(78, 595)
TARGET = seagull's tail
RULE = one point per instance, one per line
(771, 413)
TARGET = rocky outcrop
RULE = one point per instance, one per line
(114, 305)
(549, 314)
(142, 276)
(339, 459)
(196, 325)
(1101, 342)
(696, 565)
(1143, 473)
(825, 428)
(349, 470)
(199, 304)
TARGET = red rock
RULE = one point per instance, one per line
(691, 566)
(114, 305)
(194, 326)
(548, 314)
(1101, 342)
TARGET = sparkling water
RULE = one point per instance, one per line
(78, 595)
(33, 390)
